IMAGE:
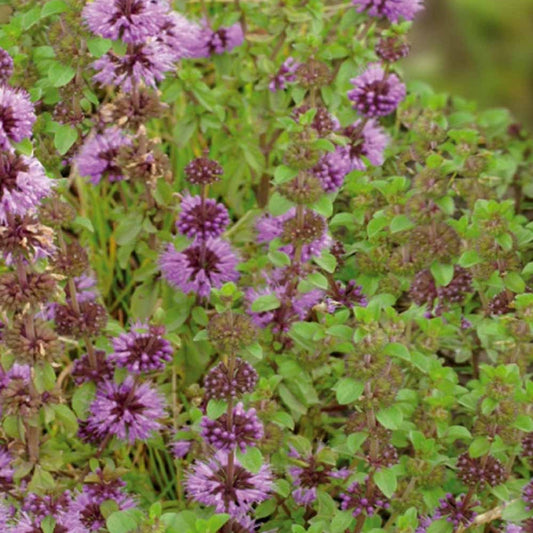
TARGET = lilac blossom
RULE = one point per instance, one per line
(146, 63)
(200, 267)
(181, 36)
(390, 9)
(367, 139)
(131, 21)
(202, 219)
(207, 483)
(17, 116)
(285, 74)
(142, 349)
(129, 410)
(376, 93)
(23, 184)
(97, 157)
(219, 41)
(270, 227)
(6, 66)
(243, 430)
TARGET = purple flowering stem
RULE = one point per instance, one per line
(75, 305)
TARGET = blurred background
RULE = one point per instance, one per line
(479, 49)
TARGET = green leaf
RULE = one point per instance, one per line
(347, 390)
(480, 446)
(67, 418)
(124, 521)
(327, 262)
(252, 459)
(400, 223)
(216, 408)
(342, 521)
(282, 174)
(386, 480)
(440, 526)
(82, 398)
(514, 282)
(283, 419)
(216, 522)
(443, 274)
(128, 228)
(64, 138)
(391, 417)
(516, 511)
(53, 8)
(267, 302)
(469, 258)
(98, 46)
(376, 225)
(60, 75)
(323, 206)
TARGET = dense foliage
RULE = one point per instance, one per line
(253, 279)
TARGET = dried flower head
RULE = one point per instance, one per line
(72, 262)
(26, 237)
(84, 371)
(89, 319)
(32, 343)
(313, 74)
(392, 49)
(230, 331)
(37, 288)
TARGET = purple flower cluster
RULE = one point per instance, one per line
(285, 74)
(208, 483)
(458, 511)
(310, 474)
(224, 383)
(157, 38)
(200, 267)
(393, 10)
(270, 227)
(476, 471)
(129, 411)
(143, 349)
(239, 431)
(97, 157)
(202, 217)
(376, 93)
(363, 498)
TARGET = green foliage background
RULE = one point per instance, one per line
(479, 49)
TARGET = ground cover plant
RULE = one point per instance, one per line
(253, 279)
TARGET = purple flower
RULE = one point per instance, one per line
(181, 36)
(145, 63)
(270, 227)
(362, 500)
(527, 495)
(200, 267)
(6, 469)
(6, 66)
(332, 168)
(296, 305)
(390, 9)
(207, 483)
(220, 383)
(128, 410)
(376, 93)
(142, 349)
(219, 41)
(17, 116)
(367, 139)
(311, 473)
(181, 448)
(285, 74)
(86, 504)
(97, 155)
(23, 184)
(456, 511)
(201, 219)
(83, 371)
(243, 430)
(132, 21)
